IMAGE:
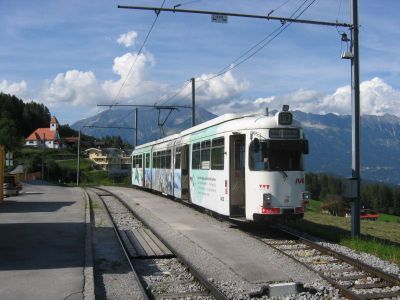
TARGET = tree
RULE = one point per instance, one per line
(8, 134)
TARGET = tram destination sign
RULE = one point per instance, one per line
(284, 133)
(219, 18)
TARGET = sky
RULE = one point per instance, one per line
(74, 55)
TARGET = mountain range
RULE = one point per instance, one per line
(329, 138)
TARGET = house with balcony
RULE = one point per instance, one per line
(111, 159)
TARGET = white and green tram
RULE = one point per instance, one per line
(247, 167)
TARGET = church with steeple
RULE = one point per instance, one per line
(45, 137)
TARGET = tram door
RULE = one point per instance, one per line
(185, 180)
(237, 173)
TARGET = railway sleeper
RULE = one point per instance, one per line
(143, 244)
(187, 295)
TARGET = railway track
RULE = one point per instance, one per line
(353, 279)
(162, 273)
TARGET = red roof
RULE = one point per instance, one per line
(53, 120)
(42, 133)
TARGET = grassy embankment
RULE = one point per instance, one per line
(60, 167)
(380, 238)
(90, 176)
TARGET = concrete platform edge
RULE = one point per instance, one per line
(88, 292)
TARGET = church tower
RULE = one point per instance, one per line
(53, 123)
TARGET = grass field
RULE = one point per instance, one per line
(85, 164)
(381, 237)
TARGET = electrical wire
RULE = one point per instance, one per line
(280, 6)
(177, 93)
(137, 55)
(186, 3)
(251, 51)
(339, 10)
(264, 42)
(267, 40)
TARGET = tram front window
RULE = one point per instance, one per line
(270, 156)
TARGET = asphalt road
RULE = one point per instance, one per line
(42, 238)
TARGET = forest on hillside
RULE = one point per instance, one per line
(18, 119)
(378, 196)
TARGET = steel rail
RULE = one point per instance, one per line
(381, 274)
(214, 291)
(135, 274)
(353, 262)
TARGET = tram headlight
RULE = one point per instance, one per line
(306, 196)
(267, 198)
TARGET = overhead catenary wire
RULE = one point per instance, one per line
(271, 35)
(186, 3)
(177, 93)
(137, 55)
(278, 7)
(264, 42)
(339, 10)
(252, 50)
(257, 48)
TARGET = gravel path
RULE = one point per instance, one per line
(162, 277)
(222, 275)
(112, 274)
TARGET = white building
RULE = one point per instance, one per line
(45, 137)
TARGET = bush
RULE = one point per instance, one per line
(335, 205)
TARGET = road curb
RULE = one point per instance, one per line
(88, 292)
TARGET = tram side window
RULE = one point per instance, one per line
(139, 160)
(196, 156)
(154, 159)
(162, 160)
(147, 160)
(178, 158)
(168, 159)
(217, 154)
(205, 155)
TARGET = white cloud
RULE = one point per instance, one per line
(82, 88)
(220, 89)
(127, 39)
(377, 98)
(133, 72)
(73, 87)
(218, 94)
(18, 89)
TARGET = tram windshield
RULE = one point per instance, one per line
(277, 155)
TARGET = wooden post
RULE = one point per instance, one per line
(1, 172)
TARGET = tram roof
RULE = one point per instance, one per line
(247, 121)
